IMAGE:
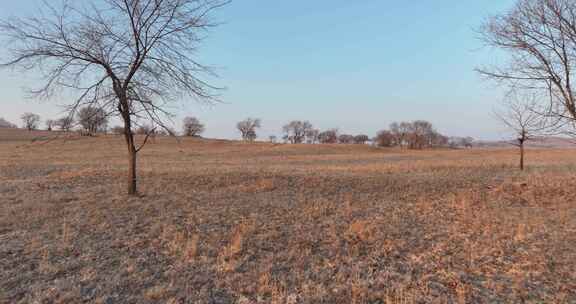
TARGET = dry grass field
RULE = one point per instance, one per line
(226, 222)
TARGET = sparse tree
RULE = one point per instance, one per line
(386, 138)
(129, 57)
(65, 123)
(251, 136)
(6, 124)
(248, 127)
(312, 136)
(526, 124)
(540, 38)
(420, 134)
(30, 121)
(346, 139)
(438, 140)
(50, 124)
(296, 130)
(361, 139)
(400, 133)
(93, 120)
(328, 137)
(192, 127)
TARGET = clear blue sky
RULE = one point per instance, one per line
(352, 65)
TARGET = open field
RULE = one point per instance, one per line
(226, 222)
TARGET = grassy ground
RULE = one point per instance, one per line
(225, 222)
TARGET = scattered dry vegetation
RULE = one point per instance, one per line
(227, 222)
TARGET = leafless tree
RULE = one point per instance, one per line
(522, 119)
(400, 133)
(361, 139)
(251, 136)
(65, 123)
(248, 127)
(93, 120)
(192, 126)
(540, 39)
(50, 124)
(6, 124)
(312, 136)
(128, 57)
(386, 138)
(328, 136)
(437, 140)
(30, 121)
(296, 130)
(420, 134)
(346, 139)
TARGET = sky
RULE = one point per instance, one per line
(353, 65)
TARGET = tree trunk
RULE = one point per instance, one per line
(131, 162)
(132, 152)
(521, 155)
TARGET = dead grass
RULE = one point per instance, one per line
(225, 222)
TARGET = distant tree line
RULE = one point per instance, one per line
(418, 134)
(90, 119)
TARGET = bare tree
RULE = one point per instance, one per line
(251, 136)
(30, 121)
(92, 120)
(65, 123)
(192, 126)
(420, 134)
(346, 139)
(128, 57)
(386, 138)
(312, 136)
(248, 127)
(50, 124)
(400, 133)
(296, 130)
(436, 139)
(540, 37)
(328, 136)
(6, 124)
(361, 139)
(521, 118)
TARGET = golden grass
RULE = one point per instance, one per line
(227, 222)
